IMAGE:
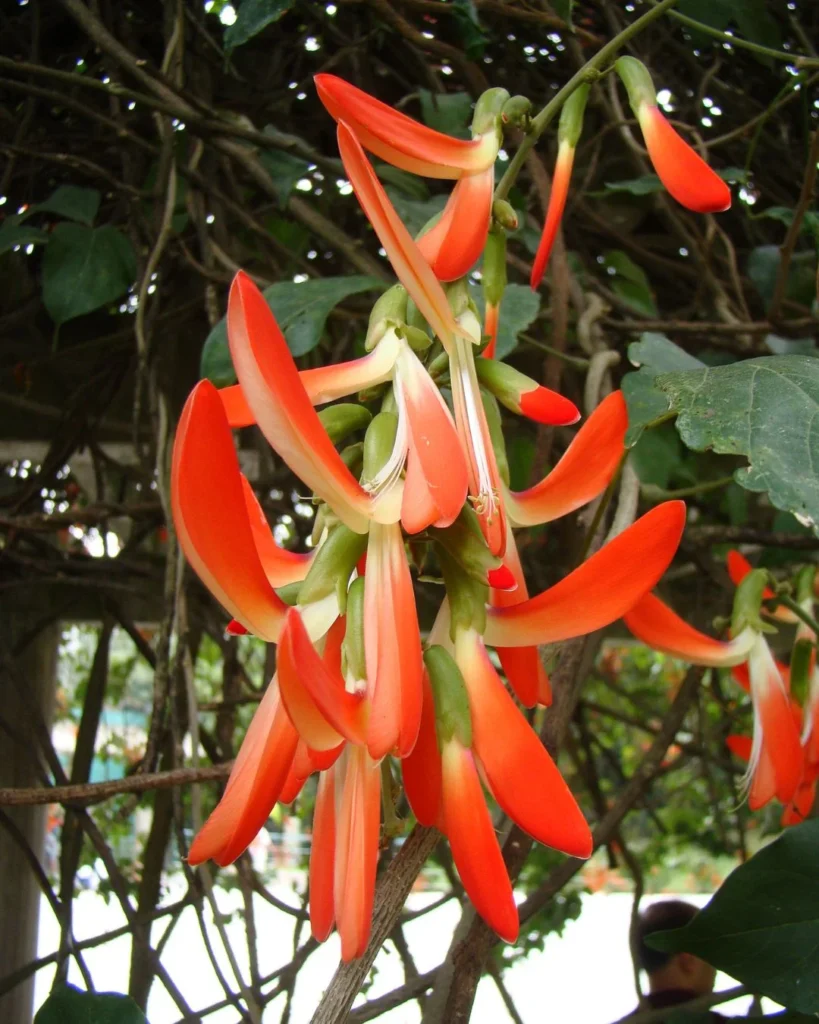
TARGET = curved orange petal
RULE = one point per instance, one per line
(282, 408)
(682, 170)
(522, 776)
(776, 735)
(399, 139)
(601, 590)
(211, 517)
(554, 212)
(418, 508)
(280, 565)
(421, 768)
(740, 746)
(356, 853)
(455, 243)
(236, 408)
(322, 857)
(327, 383)
(319, 706)
(584, 470)
(412, 270)
(255, 784)
(293, 785)
(653, 622)
(392, 644)
(475, 850)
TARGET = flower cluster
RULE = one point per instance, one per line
(782, 764)
(355, 684)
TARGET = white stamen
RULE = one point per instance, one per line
(390, 473)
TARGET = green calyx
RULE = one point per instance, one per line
(488, 110)
(417, 338)
(452, 714)
(639, 86)
(571, 117)
(289, 593)
(353, 647)
(344, 419)
(504, 215)
(748, 604)
(504, 381)
(467, 597)
(516, 112)
(378, 443)
(493, 281)
(333, 565)
(390, 310)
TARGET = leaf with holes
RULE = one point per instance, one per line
(85, 268)
(766, 409)
(762, 925)
(301, 310)
(68, 1005)
(653, 353)
(519, 310)
(252, 17)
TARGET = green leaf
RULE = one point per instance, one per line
(71, 202)
(762, 925)
(519, 310)
(641, 186)
(751, 17)
(656, 456)
(411, 184)
(469, 27)
(630, 282)
(284, 170)
(791, 346)
(68, 1005)
(301, 311)
(448, 112)
(85, 268)
(413, 212)
(12, 233)
(763, 267)
(766, 409)
(252, 17)
(654, 353)
(810, 221)
(520, 454)
(563, 9)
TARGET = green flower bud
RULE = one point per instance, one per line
(389, 310)
(334, 562)
(378, 443)
(516, 110)
(417, 339)
(343, 419)
(571, 117)
(452, 714)
(352, 457)
(748, 604)
(504, 215)
(801, 667)
(493, 282)
(457, 293)
(439, 367)
(353, 647)
(467, 597)
(464, 542)
(635, 77)
(289, 593)
(488, 110)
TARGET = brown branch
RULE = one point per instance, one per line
(702, 535)
(94, 792)
(808, 323)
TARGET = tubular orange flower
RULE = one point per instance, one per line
(399, 139)
(554, 213)
(601, 590)
(525, 396)
(455, 243)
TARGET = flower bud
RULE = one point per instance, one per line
(343, 419)
(748, 604)
(516, 110)
(488, 110)
(571, 117)
(378, 443)
(467, 597)
(452, 714)
(637, 80)
(493, 281)
(333, 564)
(802, 661)
(504, 214)
(354, 659)
(417, 339)
(390, 309)
(464, 541)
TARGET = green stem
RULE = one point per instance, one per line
(588, 73)
(798, 611)
(763, 51)
(393, 825)
(660, 494)
(577, 361)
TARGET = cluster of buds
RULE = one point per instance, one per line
(400, 480)
(783, 752)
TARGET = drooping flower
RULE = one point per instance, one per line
(681, 169)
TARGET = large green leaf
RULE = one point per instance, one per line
(766, 409)
(68, 1005)
(653, 353)
(252, 17)
(762, 925)
(284, 169)
(469, 28)
(71, 202)
(518, 311)
(85, 268)
(763, 268)
(448, 112)
(301, 311)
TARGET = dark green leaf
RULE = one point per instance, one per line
(763, 267)
(85, 268)
(469, 28)
(415, 213)
(654, 353)
(762, 925)
(519, 310)
(448, 112)
(284, 169)
(68, 1005)
(252, 17)
(642, 186)
(563, 9)
(791, 346)
(71, 202)
(810, 221)
(301, 311)
(656, 456)
(410, 184)
(12, 233)
(751, 17)
(630, 282)
(520, 454)
(766, 409)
